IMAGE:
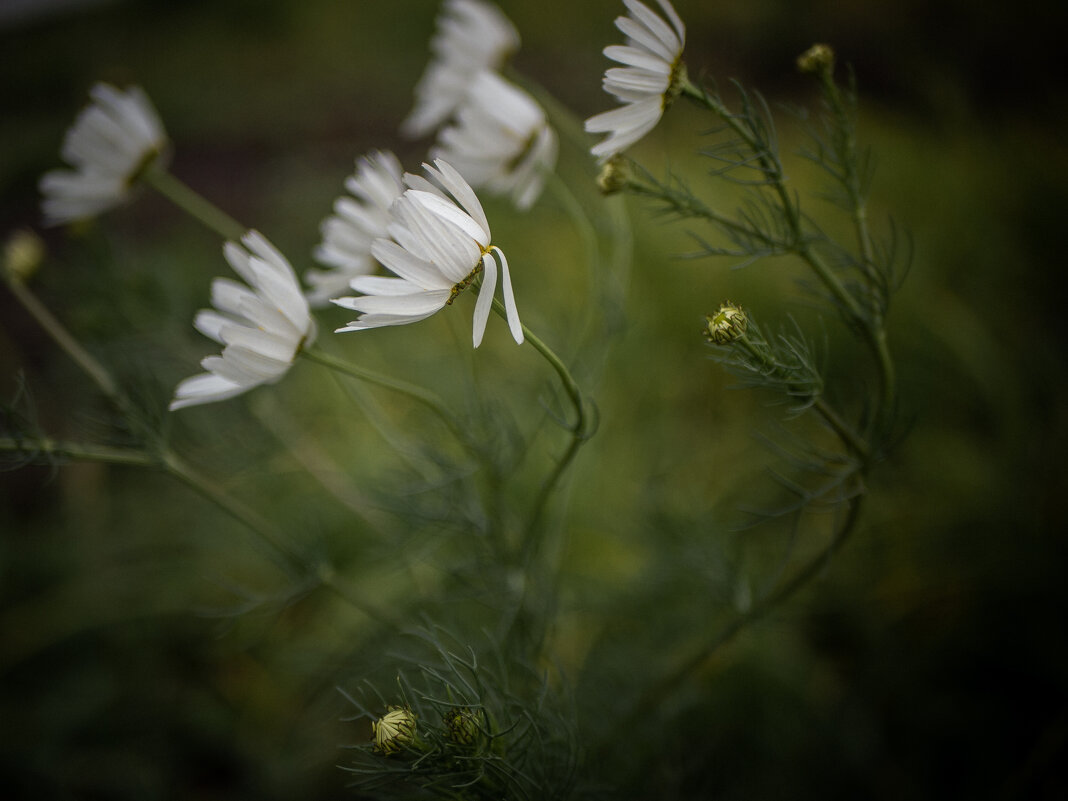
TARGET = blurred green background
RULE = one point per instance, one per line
(929, 661)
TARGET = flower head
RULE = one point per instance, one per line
(500, 140)
(653, 74)
(262, 326)
(727, 324)
(111, 141)
(817, 60)
(471, 36)
(440, 243)
(393, 730)
(358, 219)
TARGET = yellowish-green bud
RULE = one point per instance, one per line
(727, 324)
(463, 725)
(614, 175)
(394, 730)
(23, 253)
(817, 60)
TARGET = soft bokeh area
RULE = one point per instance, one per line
(151, 648)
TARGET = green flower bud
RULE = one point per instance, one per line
(727, 324)
(23, 253)
(394, 730)
(817, 60)
(614, 175)
(463, 725)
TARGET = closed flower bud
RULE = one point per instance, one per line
(394, 730)
(615, 173)
(817, 60)
(23, 253)
(727, 324)
(463, 725)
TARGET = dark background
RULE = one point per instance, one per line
(929, 661)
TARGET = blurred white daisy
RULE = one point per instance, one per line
(653, 74)
(108, 145)
(440, 243)
(500, 140)
(471, 36)
(358, 219)
(262, 326)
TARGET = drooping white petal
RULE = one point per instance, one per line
(510, 309)
(485, 298)
(439, 239)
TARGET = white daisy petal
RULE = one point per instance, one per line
(485, 298)
(108, 144)
(262, 325)
(511, 312)
(471, 36)
(439, 240)
(651, 59)
(493, 142)
(204, 388)
(357, 221)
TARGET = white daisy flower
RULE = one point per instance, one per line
(501, 140)
(471, 36)
(440, 243)
(357, 221)
(652, 76)
(110, 142)
(262, 326)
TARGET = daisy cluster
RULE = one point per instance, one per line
(428, 231)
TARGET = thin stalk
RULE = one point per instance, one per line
(580, 432)
(193, 203)
(873, 332)
(687, 205)
(652, 698)
(845, 433)
(44, 446)
(579, 428)
(846, 144)
(424, 396)
(67, 343)
(164, 458)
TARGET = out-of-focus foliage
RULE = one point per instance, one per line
(144, 651)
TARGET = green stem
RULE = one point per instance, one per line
(413, 391)
(193, 203)
(873, 332)
(579, 428)
(687, 205)
(652, 698)
(580, 432)
(67, 343)
(846, 144)
(845, 433)
(58, 449)
(164, 458)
